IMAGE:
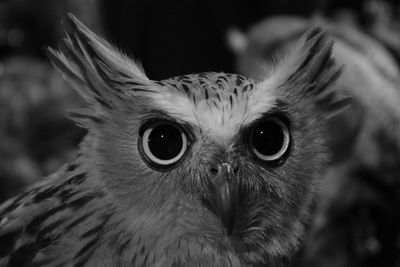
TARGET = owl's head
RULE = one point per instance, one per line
(214, 159)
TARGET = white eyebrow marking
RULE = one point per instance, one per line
(220, 117)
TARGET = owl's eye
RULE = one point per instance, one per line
(163, 144)
(269, 140)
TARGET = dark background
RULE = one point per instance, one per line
(169, 38)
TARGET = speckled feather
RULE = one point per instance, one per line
(108, 208)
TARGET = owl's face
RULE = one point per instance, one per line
(215, 158)
(248, 171)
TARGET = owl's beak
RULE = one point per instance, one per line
(225, 193)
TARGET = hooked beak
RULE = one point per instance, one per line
(225, 194)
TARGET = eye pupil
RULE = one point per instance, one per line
(165, 142)
(162, 144)
(268, 138)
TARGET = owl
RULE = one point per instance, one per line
(208, 169)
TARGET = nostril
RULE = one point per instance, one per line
(214, 171)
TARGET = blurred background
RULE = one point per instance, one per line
(357, 217)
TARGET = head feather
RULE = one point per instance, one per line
(307, 72)
(100, 73)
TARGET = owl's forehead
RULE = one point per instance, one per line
(218, 103)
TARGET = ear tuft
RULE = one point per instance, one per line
(313, 62)
(118, 65)
(100, 73)
(309, 70)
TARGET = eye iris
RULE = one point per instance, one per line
(165, 142)
(268, 138)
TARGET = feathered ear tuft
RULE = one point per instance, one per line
(100, 73)
(309, 70)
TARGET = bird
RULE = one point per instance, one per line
(206, 169)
